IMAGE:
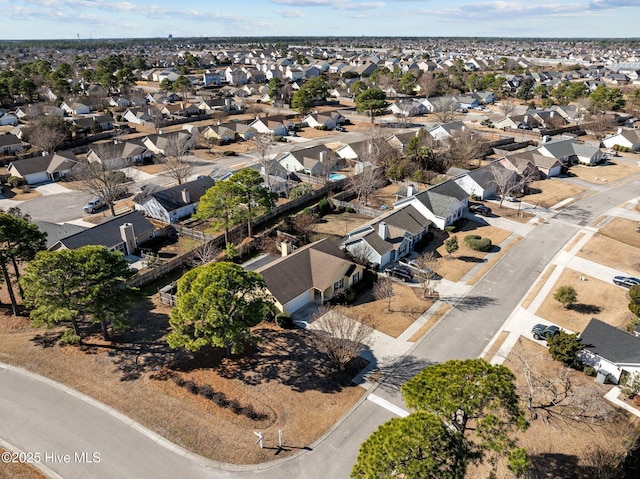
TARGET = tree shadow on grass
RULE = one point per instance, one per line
(554, 465)
(590, 309)
(471, 259)
(288, 357)
(47, 339)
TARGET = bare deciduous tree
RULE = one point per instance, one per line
(205, 254)
(104, 180)
(600, 124)
(339, 337)
(48, 133)
(304, 223)
(444, 108)
(383, 289)
(175, 161)
(506, 183)
(462, 147)
(428, 84)
(427, 276)
(366, 182)
(264, 142)
(558, 397)
(507, 107)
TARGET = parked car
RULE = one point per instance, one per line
(480, 210)
(94, 205)
(511, 198)
(524, 126)
(340, 128)
(412, 266)
(626, 281)
(542, 331)
(400, 272)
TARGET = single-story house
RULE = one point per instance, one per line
(56, 232)
(329, 119)
(627, 138)
(122, 233)
(610, 349)
(40, 169)
(170, 204)
(311, 274)
(570, 151)
(124, 153)
(312, 161)
(446, 130)
(277, 125)
(389, 237)
(159, 143)
(10, 144)
(547, 166)
(222, 132)
(408, 108)
(75, 108)
(441, 204)
(485, 182)
(7, 119)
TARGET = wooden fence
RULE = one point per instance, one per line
(363, 210)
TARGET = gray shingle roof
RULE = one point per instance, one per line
(108, 233)
(60, 161)
(171, 198)
(612, 344)
(440, 198)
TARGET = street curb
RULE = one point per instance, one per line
(37, 465)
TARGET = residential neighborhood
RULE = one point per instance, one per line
(254, 256)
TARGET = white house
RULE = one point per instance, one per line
(446, 130)
(570, 151)
(40, 169)
(441, 204)
(315, 160)
(627, 138)
(610, 350)
(389, 237)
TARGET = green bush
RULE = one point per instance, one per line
(321, 127)
(350, 209)
(16, 181)
(325, 206)
(589, 371)
(284, 320)
(346, 296)
(229, 153)
(450, 228)
(69, 337)
(477, 243)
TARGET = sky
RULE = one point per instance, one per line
(70, 19)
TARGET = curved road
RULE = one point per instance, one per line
(37, 415)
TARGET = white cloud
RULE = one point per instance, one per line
(294, 13)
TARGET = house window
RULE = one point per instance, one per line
(355, 278)
(338, 285)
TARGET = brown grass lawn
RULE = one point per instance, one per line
(19, 194)
(623, 230)
(510, 213)
(462, 261)
(550, 192)
(312, 133)
(610, 171)
(283, 378)
(340, 223)
(406, 306)
(18, 471)
(538, 286)
(430, 323)
(384, 196)
(596, 298)
(612, 253)
(564, 449)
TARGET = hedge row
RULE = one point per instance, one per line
(219, 398)
(477, 243)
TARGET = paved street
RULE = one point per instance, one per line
(36, 416)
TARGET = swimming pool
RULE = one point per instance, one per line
(336, 177)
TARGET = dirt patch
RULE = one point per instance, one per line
(284, 378)
(385, 196)
(339, 224)
(462, 261)
(596, 298)
(538, 286)
(610, 252)
(406, 306)
(547, 193)
(17, 470)
(430, 323)
(611, 171)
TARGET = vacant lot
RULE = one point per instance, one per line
(547, 193)
(623, 230)
(407, 305)
(610, 252)
(596, 298)
(284, 379)
(607, 172)
(563, 448)
(454, 267)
